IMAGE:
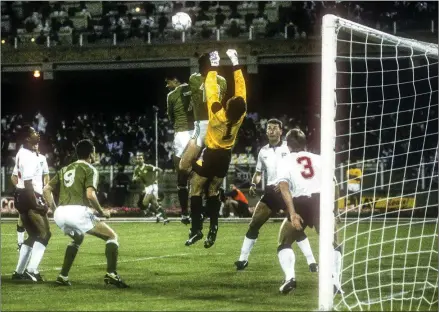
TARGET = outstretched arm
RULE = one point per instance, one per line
(211, 84)
(240, 89)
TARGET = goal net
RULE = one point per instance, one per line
(379, 137)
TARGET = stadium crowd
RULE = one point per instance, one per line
(117, 141)
(63, 22)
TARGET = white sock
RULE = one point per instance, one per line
(36, 257)
(23, 258)
(20, 237)
(247, 246)
(287, 259)
(306, 250)
(336, 268)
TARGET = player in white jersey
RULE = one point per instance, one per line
(14, 178)
(31, 206)
(269, 159)
(299, 180)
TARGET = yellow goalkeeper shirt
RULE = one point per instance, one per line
(222, 133)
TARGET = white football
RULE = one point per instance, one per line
(181, 21)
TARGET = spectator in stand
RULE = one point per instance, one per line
(220, 18)
(163, 21)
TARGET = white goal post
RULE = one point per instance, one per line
(379, 104)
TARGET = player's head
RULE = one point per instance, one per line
(29, 137)
(274, 130)
(172, 82)
(232, 186)
(139, 158)
(85, 150)
(296, 140)
(204, 64)
(235, 108)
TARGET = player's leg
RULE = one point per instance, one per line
(69, 256)
(260, 215)
(338, 249)
(304, 245)
(103, 231)
(20, 232)
(182, 190)
(286, 256)
(191, 152)
(213, 205)
(305, 208)
(25, 250)
(41, 223)
(161, 213)
(197, 183)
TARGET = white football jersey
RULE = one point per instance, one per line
(303, 172)
(269, 159)
(30, 166)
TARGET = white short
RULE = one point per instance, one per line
(153, 189)
(200, 130)
(75, 219)
(181, 139)
(352, 187)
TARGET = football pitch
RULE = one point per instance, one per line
(163, 274)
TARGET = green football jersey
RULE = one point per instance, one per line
(180, 109)
(146, 174)
(198, 94)
(73, 181)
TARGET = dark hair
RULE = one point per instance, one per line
(296, 139)
(275, 121)
(25, 132)
(84, 149)
(236, 107)
(204, 64)
(24, 135)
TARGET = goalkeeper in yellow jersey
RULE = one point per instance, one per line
(224, 123)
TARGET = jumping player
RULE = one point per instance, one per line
(181, 115)
(223, 126)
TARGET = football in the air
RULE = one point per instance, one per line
(181, 21)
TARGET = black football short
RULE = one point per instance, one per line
(215, 163)
(273, 199)
(309, 209)
(22, 201)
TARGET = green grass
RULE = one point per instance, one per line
(166, 275)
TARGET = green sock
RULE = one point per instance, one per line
(111, 252)
(69, 257)
(162, 211)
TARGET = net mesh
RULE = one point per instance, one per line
(387, 126)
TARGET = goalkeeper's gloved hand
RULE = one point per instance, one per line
(214, 58)
(233, 56)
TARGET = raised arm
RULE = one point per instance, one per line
(240, 89)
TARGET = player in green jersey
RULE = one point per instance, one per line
(181, 115)
(199, 104)
(78, 183)
(147, 175)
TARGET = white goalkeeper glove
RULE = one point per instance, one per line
(214, 58)
(233, 56)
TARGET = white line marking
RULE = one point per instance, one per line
(128, 260)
